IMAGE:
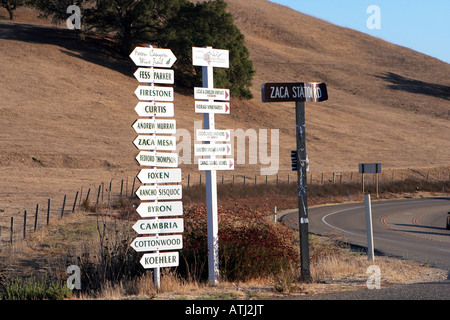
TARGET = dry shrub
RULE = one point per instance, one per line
(250, 246)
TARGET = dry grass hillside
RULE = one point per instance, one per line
(66, 110)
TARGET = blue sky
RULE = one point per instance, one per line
(421, 25)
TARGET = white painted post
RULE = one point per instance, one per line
(368, 206)
(211, 192)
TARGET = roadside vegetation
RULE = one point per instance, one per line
(258, 257)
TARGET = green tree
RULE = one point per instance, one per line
(209, 24)
(11, 6)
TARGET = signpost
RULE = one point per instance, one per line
(369, 168)
(156, 101)
(208, 58)
(300, 93)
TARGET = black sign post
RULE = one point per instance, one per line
(300, 93)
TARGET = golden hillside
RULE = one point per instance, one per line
(66, 111)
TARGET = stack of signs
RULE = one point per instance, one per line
(212, 101)
(154, 136)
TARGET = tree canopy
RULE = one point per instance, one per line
(175, 24)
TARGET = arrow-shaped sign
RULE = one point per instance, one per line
(152, 93)
(143, 142)
(212, 107)
(159, 175)
(153, 57)
(214, 94)
(213, 135)
(212, 149)
(164, 192)
(155, 126)
(160, 209)
(215, 164)
(154, 226)
(154, 243)
(160, 260)
(154, 75)
(154, 109)
(157, 159)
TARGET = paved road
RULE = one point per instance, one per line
(413, 229)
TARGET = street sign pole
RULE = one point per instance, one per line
(211, 192)
(302, 185)
(299, 92)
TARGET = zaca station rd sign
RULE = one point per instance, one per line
(212, 149)
(164, 76)
(212, 135)
(155, 126)
(143, 142)
(154, 226)
(153, 57)
(156, 243)
(215, 94)
(157, 159)
(160, 260)
(154, 93)
(155, 109)
(159, 175)
(160, 209)
(212, 107)
(169, 192)
(298, 91)
(215, 164)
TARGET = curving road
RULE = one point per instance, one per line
(413, 229)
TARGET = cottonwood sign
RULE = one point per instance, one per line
(300, 92)
(154, 135)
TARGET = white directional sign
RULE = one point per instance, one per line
(159, 175)
(215, 94)
(213, 135)
(160, 260)
(215, 164)
(153, 226)
(157, 159)
(212, 107)
(155, 126)
(155, 142)
(167, 192)
(160, 209)
(210, 57)
(153, 57)
(154, 75)
(155, 243)
(212, 149)
(154, 93)
(155, 109)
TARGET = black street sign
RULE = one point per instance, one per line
(296, 91)
(369, 167)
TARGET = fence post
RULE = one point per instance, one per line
(36, 217)
(24, 223)
(48, 211)
(75, 202)
(87, 195)
(64, 204)
(11, 236)
(98, 193)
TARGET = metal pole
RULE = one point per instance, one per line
(302, 186)
(370, 250)
(211, 193)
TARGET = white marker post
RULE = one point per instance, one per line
(370, 250)
(208, 58)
